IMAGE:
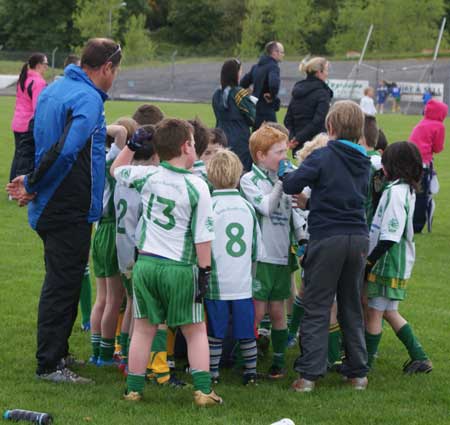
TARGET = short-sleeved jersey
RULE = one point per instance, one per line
(108, 192)
(256, 186)
(127, 202)
(393, 221)
(371, 204)
(176, 210)
(236, 245)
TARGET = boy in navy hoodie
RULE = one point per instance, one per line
(338, 175)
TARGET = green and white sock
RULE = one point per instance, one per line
(135, 383)
(95, 341)
(264, 326)
(297, 315)
(334, 344)
(279, 343)
(372, 342)
(412, 344)
(124, 338)
(202, 381)
(107, 349)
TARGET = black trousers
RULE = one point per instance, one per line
(23, 160)
(422, 200)
(333, 265)
(66, 252)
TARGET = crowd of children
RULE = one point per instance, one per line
(189, 244)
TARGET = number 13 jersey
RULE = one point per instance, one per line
(176, 210)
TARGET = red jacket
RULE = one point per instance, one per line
(429, 134)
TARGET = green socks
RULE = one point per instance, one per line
(135, 383)
(95, 341)
(409, 340)
(124, 343)
(85, 298)
(297, 315)
(107, 349)
(160, 341)
(202, 381)
(334, 344)
(372, 342)
(279, 343)
(264, 326)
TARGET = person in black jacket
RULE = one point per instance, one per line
(265, 78)
(310, 103)
(234, 111)
(335, 258)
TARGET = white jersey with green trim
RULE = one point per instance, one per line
(393, 221)
(108, 191)
(177, 210)
(256, 186)
(127, 202)
(236, 245)
(199, 169)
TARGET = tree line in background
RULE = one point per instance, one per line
(223, 27)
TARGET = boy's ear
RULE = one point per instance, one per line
(260, 155)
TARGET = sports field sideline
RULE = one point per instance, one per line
(390, 399)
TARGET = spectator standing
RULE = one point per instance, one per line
(31, 83)
(382, 94)
(309, 104)
(265, 78)
(234, 111)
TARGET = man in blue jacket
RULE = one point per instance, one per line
(265, 78)
(66, 190)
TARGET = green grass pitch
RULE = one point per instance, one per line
(390, 399)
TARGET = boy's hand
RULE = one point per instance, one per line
(204, 274)
(16, 189)
(292, 144)
(137, 140)
(299, 201)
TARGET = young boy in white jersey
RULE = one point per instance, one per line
(109, 295)
(217, 142)
(202, 137)
(172, 272)
(263, 189)
(127, 202)
(392, 254)
(234, 249)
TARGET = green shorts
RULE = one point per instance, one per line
(272, 282)
(104, 253)
(164, 291)
(127, 284)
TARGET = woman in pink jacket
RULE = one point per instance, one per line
(31, 83)
(429, 136)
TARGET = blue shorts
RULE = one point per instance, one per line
(242, 315)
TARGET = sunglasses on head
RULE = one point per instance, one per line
(118, 50)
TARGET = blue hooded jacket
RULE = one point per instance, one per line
(338, 176)
(69, 133)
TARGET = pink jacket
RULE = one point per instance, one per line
(429, 134)
(25, 106)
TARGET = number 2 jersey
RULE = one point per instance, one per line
(236, 245)
(127, 202)
(176, 210)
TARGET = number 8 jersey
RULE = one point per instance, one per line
(176, 210)
(235, 247)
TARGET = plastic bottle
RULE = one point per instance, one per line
(28, 415)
